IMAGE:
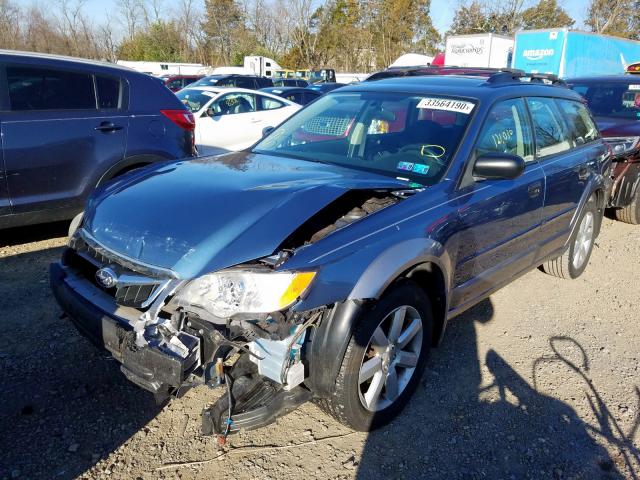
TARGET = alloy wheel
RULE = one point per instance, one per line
(583, 241)
(390, 358)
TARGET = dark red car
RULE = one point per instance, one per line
(178, 82)
(615, 103)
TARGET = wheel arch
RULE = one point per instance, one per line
(129, 163)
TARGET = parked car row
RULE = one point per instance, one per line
(327, 258)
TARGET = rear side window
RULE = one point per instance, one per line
(551, 135)
(507, 130)
(582, 128)
(109, 92)
(48, 89)
(270, 103)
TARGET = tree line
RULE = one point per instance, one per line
(348, 35)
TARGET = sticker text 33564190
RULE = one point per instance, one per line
(447, 104)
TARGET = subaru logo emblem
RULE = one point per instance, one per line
(106, 277)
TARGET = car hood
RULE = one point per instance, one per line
(616, 127)
(202, 215)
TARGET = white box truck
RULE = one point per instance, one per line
(262, 66)
(479, 50)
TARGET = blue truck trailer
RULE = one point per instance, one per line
(568, 53)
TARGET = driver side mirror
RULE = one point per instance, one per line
(498, 166)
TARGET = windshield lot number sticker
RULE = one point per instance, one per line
(446, 104)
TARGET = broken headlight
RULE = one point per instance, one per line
(230, 292)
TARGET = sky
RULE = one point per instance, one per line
(441, 10)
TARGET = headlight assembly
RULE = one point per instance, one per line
(622, 145)
(229, 292)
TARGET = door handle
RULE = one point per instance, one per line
(583, 173)
(534, 190)
(107, 127)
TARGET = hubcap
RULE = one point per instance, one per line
(390, 358)
(583, 241)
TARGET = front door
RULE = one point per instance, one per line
(499, 219)
(230, 125)
(55, 139)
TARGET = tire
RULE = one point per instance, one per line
(348, 403)
(630, 213)
(575, 259)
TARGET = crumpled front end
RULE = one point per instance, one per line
(170, 333)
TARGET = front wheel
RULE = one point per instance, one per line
(573, 262)
(384, 359)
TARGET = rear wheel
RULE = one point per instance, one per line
(573, 262)
(384, 360)
(630, 213)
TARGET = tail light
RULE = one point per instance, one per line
(185, 120)
(182, 118)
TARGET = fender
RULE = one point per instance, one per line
(597, 182)
(125, 163)
(330, 340)
(397, 259)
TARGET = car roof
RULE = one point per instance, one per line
(279, 90)
(206, 88)
(236, 90)
(462, 86)
(606, 78)
(48, 57)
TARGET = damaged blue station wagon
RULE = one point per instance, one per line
(325, 262)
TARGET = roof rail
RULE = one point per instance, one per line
(506, 76)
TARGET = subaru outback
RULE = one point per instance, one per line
(324, 262)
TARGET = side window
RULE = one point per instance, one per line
(175, 84)
(234, 103)
(550, 132)
(582, 128)
(46, 89)
(269, 103)
(507, 130)
(245, 83)
(109, 95)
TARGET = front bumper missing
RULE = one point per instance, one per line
(97, 317)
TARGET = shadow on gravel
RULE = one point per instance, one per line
(64, 405)
(456, 428)
(33, 233)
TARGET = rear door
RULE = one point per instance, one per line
(566, 150)
(59, 137)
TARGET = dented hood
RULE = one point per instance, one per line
(202, 215)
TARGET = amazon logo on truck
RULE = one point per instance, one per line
(538, 54)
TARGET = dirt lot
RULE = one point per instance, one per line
(540, 381)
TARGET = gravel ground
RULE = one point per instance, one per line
(540, 381)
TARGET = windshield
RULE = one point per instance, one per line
(195, 99)
(411, 137)
(612, 99)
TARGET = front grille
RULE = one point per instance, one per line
(133, 289)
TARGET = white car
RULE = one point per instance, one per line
(232, 119)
